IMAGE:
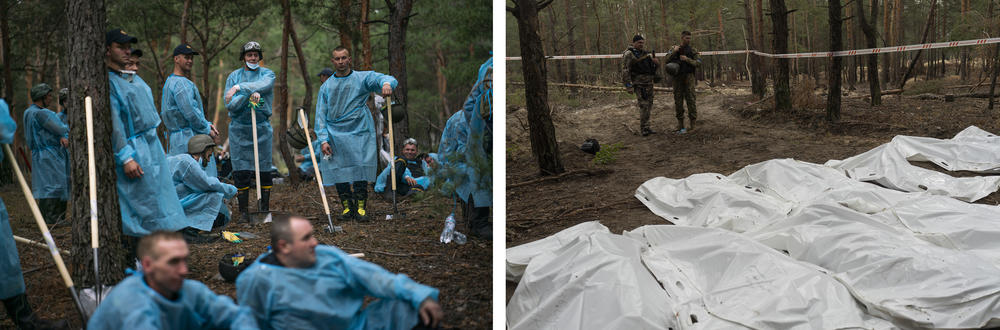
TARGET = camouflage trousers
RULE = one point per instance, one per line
(644, 94)
(684, 92)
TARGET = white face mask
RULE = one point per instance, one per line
(253, 66)
(128, 75)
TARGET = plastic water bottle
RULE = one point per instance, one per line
(449, 229)
(459, 238)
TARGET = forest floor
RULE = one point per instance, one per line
(731, 133)
(410, 246)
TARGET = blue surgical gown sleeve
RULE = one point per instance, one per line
(7, 125)
(238, 103)
(380, 283)
(375, 80)
(119, 142)
(54, 125)
(383, 179)
(221, 309)
(192, 113)
(198, 180)
(319, 124)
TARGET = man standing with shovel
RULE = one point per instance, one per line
(346, 131)
(248, 98)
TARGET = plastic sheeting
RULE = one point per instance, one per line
(584, 278)
(671, 277)
(973, 149)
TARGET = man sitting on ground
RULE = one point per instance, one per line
(158, 297)
(304, 286)
(412, 173)
(202, 195)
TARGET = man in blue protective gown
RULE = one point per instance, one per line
(412, 172)
(346, 130)
(304, 286)
(145, 191)
(48, 137)
(11, 279)
(158, 297)
(476, 188)
(181, 106)
(202, 195)
(248, 87)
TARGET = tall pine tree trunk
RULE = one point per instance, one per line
(779, 22)
(281, 93)
(542, 132)
(757, 79)
(927, 27)
(833, 74)
(85, 39)
(870, 42)
(399, 18)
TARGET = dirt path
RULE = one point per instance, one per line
(729, 136)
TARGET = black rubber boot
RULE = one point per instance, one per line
(243, 199)
(349, 205)
(360, 196)
(264, 204)
(24, 318)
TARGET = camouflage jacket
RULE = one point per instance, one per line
(629, 60)
(693, 60)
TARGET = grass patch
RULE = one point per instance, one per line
(608, 154)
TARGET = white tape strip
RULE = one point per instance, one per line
(93, 208)
(855, 52)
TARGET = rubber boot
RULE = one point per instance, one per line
(243, 200)
(265, 200)
(349, 205)
(24, 318)
(360, 212)
(680, 125)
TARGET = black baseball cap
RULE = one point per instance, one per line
(119, 36)
(325, 72)
(184, 49)
(137, 52)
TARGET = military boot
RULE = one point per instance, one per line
(691, 125)
(24, 318)
(243, 200)
(349, 205)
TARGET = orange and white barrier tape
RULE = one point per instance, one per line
(891, 49)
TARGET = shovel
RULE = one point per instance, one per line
(330, 228)
(45, 233)
(258, 216)
(392, 166)
(92, 173)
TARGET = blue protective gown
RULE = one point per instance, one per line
(150, 202)
(451, 151)
(183, 116)
(343, 121)
(381, 183)
(132, 304)
(240, 124)
(329, 295)
(49, 160)
(307, 164)
(478, 159)
(201, 194)
(11, 278)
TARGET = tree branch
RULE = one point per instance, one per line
(543, 4)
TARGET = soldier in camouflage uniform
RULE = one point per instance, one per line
(638, 72)
(684, 80)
